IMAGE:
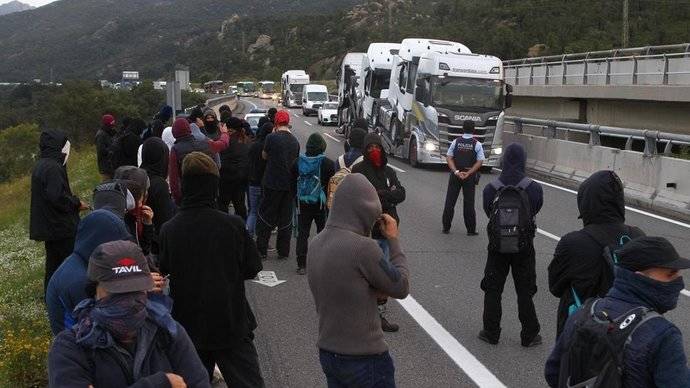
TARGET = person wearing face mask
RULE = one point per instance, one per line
(391, 193)
(122, 338)
(647, 284)
(54, 209)
(211, 125)
(139, 220)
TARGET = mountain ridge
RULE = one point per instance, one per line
(13, 7)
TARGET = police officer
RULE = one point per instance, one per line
(465, 157)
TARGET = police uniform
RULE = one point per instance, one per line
(465, 151)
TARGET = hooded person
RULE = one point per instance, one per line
(66, 287)
(647, 284)
(114, 197)
(122, 337)
(104, 140)
(186, 143)
(196, 123)
(269, 118)
(155, 157)
(312, 171)
(225, 112)
(164, 115)
(353, 149)
(126, 147)
(221, 327)
(521, 263)
(234, 169)
(374, 167)
(211, 124)
(346, 304)
(578, 267)
(256, 169)
(54, 209)
(139, 219)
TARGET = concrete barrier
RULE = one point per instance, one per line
(229, 99)
(658, 183)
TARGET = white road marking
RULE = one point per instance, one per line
(554, 237)
(295, 114)
(332, 137)
(474, 369)
(398, 169)
(308, 123)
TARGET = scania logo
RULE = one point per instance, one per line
(126, 265)
(467, 117)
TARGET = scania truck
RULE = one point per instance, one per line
(349, 80)
(376, 74)
(434, 87)
(292, 83)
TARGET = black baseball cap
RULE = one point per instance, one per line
(120, 267)
(650, 252)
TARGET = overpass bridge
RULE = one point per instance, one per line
(643, 87)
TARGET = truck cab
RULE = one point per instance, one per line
(349, 87)
(293, 82)
(376, 73)
(313, 97)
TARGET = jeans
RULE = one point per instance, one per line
(254, 203)
(497, 267)
(468, 187)
(239, 365)
(375, 371)
(275, 212)
(304, 221)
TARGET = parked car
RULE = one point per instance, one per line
(328, 113)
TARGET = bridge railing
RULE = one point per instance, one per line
(550, 129)
(653, 65)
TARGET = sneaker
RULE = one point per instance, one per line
(301, 271)
(388, 327)
(485, 337)
(472, 234)
(534, 342)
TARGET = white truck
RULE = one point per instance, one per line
(376, 73)
(434, 87)
(349, 91)
(292, 83)
(313, 98)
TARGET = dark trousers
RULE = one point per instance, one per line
(375, 371)
(468, 188)
(56, 252)
(234, 194)
(275, 211)
(304, 220)
(525, 278)
(238, 364)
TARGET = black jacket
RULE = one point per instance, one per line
(54, 210)
(234, 163)
(209, 255)
(154, 159)
(578, 260)
(385, 181)
(104, 139)
(256, 163)
(129, 148)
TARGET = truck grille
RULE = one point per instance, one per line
(316, 106)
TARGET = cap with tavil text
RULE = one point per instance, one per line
(650, 252)
(120, 267)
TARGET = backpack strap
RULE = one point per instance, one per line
(647, 315)
(341, 161)
(497, 184)
(524, 183)
(358, 160)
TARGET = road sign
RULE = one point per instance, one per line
(268, 278)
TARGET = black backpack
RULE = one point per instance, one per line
(511, 224)
(116, 150)
(595, 353)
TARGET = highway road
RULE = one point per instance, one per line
(437, 344)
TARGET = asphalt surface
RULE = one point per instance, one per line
(440, 349)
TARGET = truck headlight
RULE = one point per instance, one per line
(430, 146)
(497, 151)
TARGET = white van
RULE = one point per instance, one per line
(313, 97)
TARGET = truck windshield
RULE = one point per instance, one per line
(381, 80)
(456, 93)
(317, 96)
(296, 88)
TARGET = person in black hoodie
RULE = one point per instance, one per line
(209, 255)
(522, 263)
(578, 263)
(54, 209)
(155, 155)
(391, 193)
(104, 139)
(256, 168)
(139, 219)
(233, 171)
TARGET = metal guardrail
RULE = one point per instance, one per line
(651, 138)
(653, 65)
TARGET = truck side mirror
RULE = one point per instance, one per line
(384, 93)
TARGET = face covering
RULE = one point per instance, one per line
(211, 126)
(122, 315)
(65, 151)
(665, 294)
(376, 157)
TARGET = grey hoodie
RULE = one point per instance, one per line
(346, 271)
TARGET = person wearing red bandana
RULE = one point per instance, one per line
(391, 193)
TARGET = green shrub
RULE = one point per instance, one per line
(18, 150)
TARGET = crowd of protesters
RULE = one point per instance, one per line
(149, 288)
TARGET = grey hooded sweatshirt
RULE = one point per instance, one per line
(347, 270)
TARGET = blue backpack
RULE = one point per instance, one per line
(309, 189)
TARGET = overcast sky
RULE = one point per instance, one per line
(35, 3)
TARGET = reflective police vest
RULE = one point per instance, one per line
(464, 154)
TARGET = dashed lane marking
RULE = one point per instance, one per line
(332, 137)
(398, 169)
(308, 123)
(462, 357)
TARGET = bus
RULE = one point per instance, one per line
(267, 89)
(214, 87)
(246, 89)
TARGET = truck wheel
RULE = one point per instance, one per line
(413, 157)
